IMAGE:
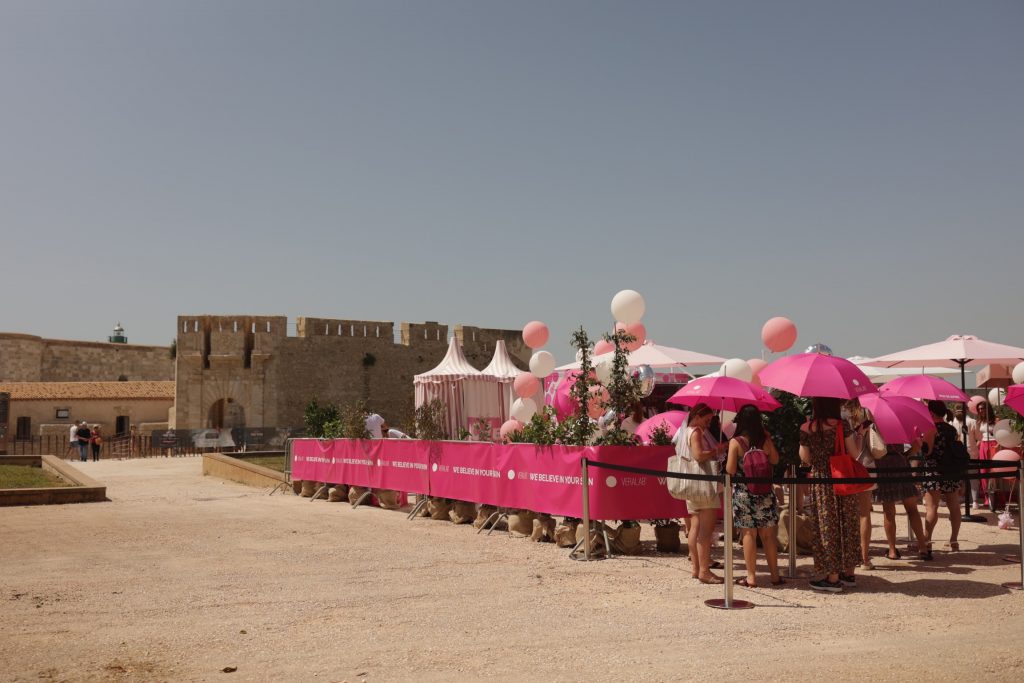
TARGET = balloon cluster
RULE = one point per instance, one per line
(527, 384)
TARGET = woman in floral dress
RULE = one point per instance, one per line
(752, 513)
(837, 536)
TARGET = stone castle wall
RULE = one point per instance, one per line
(27, 358)
(267, 377)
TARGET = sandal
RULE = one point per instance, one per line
(899, 556)
(926, 556)
(867, 566)
(779, 582)
(713, 580)
(744, 583)
(953, 546)
(717, 565)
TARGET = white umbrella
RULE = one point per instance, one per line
(657, 356)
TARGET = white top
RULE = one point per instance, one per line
(73, 436)
(373, 425)
(396, 434)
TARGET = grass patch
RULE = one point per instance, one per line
(22, 477)
(274, 462)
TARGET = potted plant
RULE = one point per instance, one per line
(666, 534)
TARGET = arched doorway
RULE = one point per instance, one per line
(226, 413)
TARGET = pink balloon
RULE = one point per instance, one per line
(778, 334)
(509, 428)
(1006, 455)
(973, 404)
(602, 347)
(596, 404)
(526, 385)
(535, 334)
(757, 365)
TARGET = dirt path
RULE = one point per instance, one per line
(180, 576)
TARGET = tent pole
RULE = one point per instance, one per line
(968, 498)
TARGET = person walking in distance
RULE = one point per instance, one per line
(96, 443)
(84, 435)
(72, 441)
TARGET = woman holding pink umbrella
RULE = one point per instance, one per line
(837, 541)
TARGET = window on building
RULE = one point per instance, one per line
(23, 431)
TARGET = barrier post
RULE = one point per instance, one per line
(586, 511)
(1019, 585)
(728, 602)
(792, 522)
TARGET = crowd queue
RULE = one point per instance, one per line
(841, 524)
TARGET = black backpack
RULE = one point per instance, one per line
(953, 457)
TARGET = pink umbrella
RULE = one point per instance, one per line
(815, 374)
(724, 393)
(1015, 398)
(899, 419)
(671, 419)
(924, 386)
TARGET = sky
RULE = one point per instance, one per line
(857, 167)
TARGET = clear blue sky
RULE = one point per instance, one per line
(858, 167)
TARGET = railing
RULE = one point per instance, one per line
(167, 443)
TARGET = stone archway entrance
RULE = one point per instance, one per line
(226, 413)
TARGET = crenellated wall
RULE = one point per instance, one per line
(27, 358)
(263, 377)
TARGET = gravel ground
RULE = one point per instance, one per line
(181, 576)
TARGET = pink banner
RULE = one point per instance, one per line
(521, 476)
(397, 464)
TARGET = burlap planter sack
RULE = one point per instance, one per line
(667, 538)
(520, 523)
(596, 539)
(543, 529)
(337, 493)
(296, 486)
(462, 513)
(565, 533)
(483, 514)
(626, 540)
(424, 511)
(439, 508)
(355, 493)
(804, 533)
(308, 489)
(387, 499)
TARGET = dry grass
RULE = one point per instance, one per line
(24, 477)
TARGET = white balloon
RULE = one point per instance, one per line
(523, 409)
(995, 397)
(603, 370)
(726, 417)
(738, 368)
(729, 429)
(542, 364)
(1018, 373)
(1005, 436)
(628, 306)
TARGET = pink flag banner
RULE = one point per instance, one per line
(519, 476)
(396, 464)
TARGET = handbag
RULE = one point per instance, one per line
(876, 443)
(684, 463)
(842, 466)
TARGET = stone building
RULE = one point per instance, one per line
(27, 358)
(235, 371)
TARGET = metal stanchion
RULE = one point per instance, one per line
(728, 602)
(586, 511)
(792, 522)
(1018, 585)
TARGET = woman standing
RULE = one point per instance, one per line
(690, 443)
(754, 514)
(96, 442)
(862, 432)
(981, 443)
(837, 537)
(896, 492)
(934, 449)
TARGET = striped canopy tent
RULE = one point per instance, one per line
(467, 393)
(504, 370)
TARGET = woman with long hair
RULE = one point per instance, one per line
(860, 421)
(690, 442)
(755, 514)
(933, 450)
(837, 536)
(981, 442)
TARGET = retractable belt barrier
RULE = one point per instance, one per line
(994, 470)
